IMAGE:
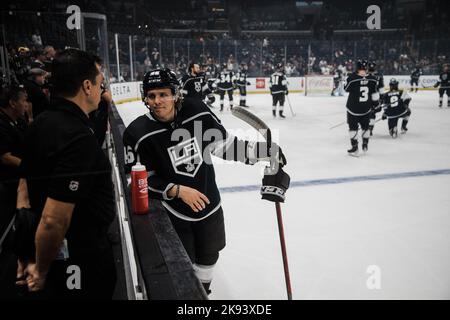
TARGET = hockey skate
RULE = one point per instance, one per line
(354, 152)
(282, 115)
(365, 147)
(274, 113)
(403, 131)
(393, 133)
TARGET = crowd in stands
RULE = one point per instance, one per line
(210, 41)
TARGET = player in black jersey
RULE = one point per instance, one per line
(338, 79)
(278, 90)
(444, 86)
(363, 96)
(225, 85)
(415, 75)
(242, 83)
(175, 141)
(193, 83)
(395, 103)
(380, 87)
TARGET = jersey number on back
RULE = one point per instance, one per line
(394, 101)
(275, 79)
(364, 94)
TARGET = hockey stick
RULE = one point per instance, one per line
(264, 130)
(290, 106)
(338, 125)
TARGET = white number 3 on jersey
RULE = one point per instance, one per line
(364, 94)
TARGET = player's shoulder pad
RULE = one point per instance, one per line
(141, 126)
(192, 107)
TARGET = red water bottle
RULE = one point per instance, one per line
(139, 191)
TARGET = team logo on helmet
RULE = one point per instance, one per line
(73, 186)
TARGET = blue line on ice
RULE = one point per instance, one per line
(317, 182)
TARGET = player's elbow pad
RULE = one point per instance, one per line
(375, 96)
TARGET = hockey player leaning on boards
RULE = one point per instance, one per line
(242, 83)
(225, 85)
(278, 89)
(175, 141)
(395, 103)
(193, 83)
(363, 96)
(380, 87)
(444, 86)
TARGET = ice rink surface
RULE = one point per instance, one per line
(382, 218)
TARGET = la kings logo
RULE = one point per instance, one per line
(186, 157)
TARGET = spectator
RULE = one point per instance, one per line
(34, 87)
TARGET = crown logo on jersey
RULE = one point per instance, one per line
(186, 157)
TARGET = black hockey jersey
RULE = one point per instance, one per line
(225, 80)
(193, 86)
(338, 76)
(277, 83)
(395, 103)
(210, 71)
(444, 80)
(241, 79)
(363, 94)
(180, 153)
(416, 74)
(380, 79)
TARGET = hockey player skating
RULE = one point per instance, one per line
(415, 76)
(175, 141)
(363, 96)
(395, 103)
(242, 83)
(278, 90)
(380, 87)
(225, 85)
(208, 93)
(444, 86)
(338, 81)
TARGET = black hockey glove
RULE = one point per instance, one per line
(384, 116)
(248, 83)
(376, 108)
(286, 92)
(261, 151)
(274, 186)
(23, 234)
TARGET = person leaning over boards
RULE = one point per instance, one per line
(70, 187)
